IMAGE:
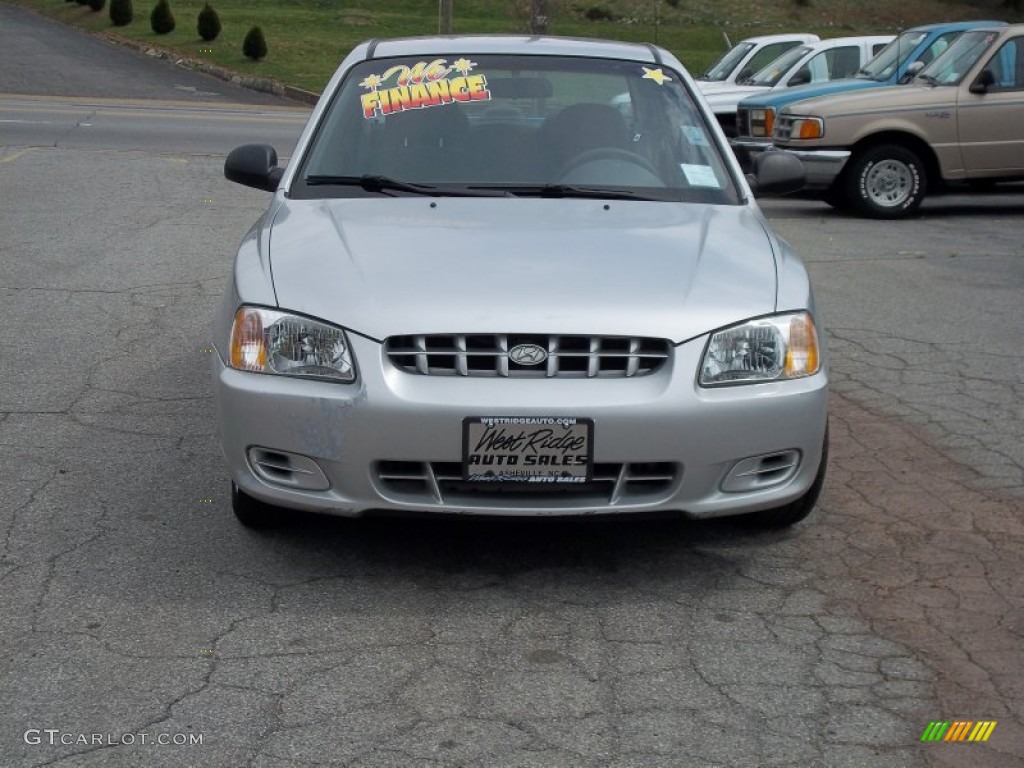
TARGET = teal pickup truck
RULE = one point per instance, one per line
(897, 63)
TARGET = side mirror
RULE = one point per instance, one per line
(912, 71)
(776, 172)
(983, 82)
(745, 73)
(254, 165)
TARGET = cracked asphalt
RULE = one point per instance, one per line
(134, 606)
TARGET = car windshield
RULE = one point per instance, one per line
(892, 57)
(774, 72)
(514, 126)
(950, 67)
(727, 64)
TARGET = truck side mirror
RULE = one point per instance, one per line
(912, 71)
(983, 82)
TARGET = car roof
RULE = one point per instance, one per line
(806, 37)
(514, 44)
(950, 26)
(853, 40)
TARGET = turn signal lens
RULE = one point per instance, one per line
(808, 128)
(248, 350)
(802, 350)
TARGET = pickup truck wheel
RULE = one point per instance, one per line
(886, 182)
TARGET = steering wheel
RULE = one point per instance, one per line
(607, 153)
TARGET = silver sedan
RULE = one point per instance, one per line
(517, 276)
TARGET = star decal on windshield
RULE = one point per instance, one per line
(656, 75)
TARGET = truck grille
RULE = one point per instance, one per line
(742, 122)
(527, 355)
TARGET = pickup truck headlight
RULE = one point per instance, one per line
(268, 341)
(762, 122)
(803, 128)
(766, 349)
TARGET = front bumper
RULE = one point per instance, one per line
(823, 166)
(391, 440)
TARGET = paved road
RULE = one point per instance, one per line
(145, 125)
(134, 607)
(41, 57)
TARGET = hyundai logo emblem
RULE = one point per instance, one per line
(527, 354)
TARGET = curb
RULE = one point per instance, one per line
(252, 83)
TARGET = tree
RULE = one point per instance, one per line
(161, 19)
(97, 5)
(208, 23)
(121, 12)
(255, 45)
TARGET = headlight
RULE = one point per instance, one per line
(267, 341)
(806, 128)
(762, 122)
(767, 349)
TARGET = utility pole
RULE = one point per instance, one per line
(539, 17)
(444, 17)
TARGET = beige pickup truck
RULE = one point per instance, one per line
(961, 122)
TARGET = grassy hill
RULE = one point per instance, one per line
(307, 38)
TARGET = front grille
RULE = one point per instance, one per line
(742, 122)
(488, 355)
(439, 483)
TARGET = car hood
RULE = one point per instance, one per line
(777, 99)
(390, 266)
(892, 98)
(732, 96)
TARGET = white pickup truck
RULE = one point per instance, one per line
(811, 63)
(749, 56)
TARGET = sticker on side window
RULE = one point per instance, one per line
(700, 175)
(424, 84)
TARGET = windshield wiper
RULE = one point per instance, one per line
(569, 190)
(373, 183)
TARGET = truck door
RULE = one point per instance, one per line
(991, 123)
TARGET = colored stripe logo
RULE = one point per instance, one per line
(958, 730)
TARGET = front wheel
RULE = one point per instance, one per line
(795, 511)
(253, 513)
(887, 181)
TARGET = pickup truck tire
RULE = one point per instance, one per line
(885, 181)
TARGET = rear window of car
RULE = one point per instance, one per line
(517, 123)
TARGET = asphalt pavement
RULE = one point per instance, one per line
(40, 56)
(136, 611)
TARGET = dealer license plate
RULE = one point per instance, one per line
(527, 449)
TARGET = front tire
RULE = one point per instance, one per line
(887, 181)
(795, 511)
(253, 513)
